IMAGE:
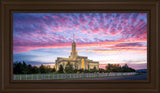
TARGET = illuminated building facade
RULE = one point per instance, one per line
(78, 62)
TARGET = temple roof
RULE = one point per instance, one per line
(82, 57)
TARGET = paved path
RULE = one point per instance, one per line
(133, 77)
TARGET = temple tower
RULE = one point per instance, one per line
(73, 53)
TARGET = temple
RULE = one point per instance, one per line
(78, 62)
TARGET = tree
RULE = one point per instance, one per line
(108, 68)
(93, 70)
(69, 68)
(42, 69)
(126, 66)
(101, 70)
(29, 69)
(48, 69)
(60, 69)
(75, 70)
(81, 70)
(17, 68)
(35, 70)
(118, 68)
(25, 68)
(53, 70)
(86, 71)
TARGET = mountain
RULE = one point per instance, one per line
(142, 70)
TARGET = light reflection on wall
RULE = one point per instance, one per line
(82, 64)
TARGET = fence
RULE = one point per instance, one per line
(67, 76)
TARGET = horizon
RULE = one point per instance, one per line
(52, 65)
(115, 38)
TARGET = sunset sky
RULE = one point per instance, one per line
(116, 38)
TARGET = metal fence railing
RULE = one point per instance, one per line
(67, 76)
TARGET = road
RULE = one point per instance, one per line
(133, 77)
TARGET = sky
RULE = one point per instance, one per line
(115, 38)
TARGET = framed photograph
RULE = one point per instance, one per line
(83, 46)
(116, 44)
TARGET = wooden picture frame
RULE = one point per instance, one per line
(8, 85)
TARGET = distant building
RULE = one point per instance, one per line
(78, 62)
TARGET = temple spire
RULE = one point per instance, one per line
(73, 53)
(73, 37)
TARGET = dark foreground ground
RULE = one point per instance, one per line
(142, 76)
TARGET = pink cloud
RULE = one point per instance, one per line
(45, 17)
(119, 49)
(55, 17)
(20, 49)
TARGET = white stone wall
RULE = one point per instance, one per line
(77, 63)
